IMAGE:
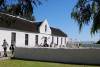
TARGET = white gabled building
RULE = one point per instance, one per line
(30, 34)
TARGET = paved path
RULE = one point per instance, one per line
(5, 58)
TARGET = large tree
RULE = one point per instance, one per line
(98, 42)
(86, 12)
(23, 8)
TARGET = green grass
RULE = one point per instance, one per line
(25, 63)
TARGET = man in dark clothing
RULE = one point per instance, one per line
(12, 47)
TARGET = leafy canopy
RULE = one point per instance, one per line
(98, 42)
(86, 11)
(23, 8)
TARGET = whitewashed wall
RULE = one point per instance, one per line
(41, 39)
(20, 38)
(42, 28)
(4, 35)
(84, 56)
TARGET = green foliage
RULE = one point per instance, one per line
(23, 8)
(86, 11)
(98, 42)
(1, 2)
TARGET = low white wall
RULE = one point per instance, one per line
(85, 56)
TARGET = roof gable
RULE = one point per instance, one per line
(44, 27)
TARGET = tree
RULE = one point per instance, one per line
(2, 5)
(23, 8)
(87, 11)
(98, 42)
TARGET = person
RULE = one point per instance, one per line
(45, 43)
(5, 44)
(12, 47)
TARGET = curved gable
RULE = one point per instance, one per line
(45, 28)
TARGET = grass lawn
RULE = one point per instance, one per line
(25, 63)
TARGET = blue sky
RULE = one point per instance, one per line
(57, 12)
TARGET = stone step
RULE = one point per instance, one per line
(8, 54)
(4, 58)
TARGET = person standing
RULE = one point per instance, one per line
(12, 47)
(5, 45)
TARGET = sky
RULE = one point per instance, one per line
(57, 12)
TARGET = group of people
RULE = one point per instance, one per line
(5, 46)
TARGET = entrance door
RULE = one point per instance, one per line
(45, 39)
(45, 42)
(13, 37)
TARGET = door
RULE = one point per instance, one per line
(13, 37)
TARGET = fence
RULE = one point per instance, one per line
(91, 45)
(83, 55)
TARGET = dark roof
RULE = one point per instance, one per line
(19, 23)
(57, 32)
(24, 25)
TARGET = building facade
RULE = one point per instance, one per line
(29, 34)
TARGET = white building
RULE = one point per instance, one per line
(29, 34)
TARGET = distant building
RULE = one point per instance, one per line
(30, 34)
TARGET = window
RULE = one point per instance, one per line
(26, 39)
(52, 39)
(57, 40)
(45, 39)
(36, 39)
(13, 37)
(45, 28)
(61, 40)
